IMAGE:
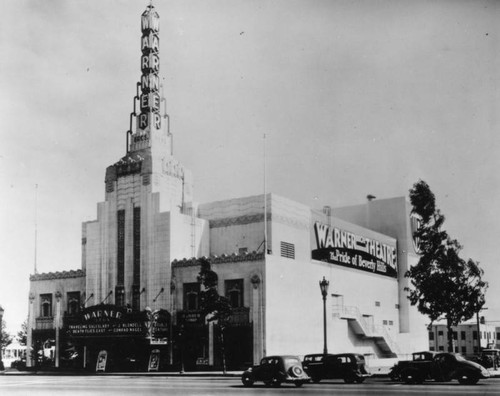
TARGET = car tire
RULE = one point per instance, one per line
(296, 371)
(468, 379)
(409, 376)
(316, 380)
(298, 384)
(247, 380)
(349, 380)
(360, 380)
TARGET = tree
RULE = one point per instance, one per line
(22, 335)
(443, 284)
(6, 337)
(215, 308)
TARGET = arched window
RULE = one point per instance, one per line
(191, 296)
(73, 303)
(234, 292)
(45, 305)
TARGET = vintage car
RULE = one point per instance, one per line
(395, 372)
(489, 358)
(347, 366)
(274, 370)
(443, 367)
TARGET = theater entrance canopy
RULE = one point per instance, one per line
(110, 321)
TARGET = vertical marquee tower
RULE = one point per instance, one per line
(147, 219)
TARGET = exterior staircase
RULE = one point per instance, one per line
(363, 327)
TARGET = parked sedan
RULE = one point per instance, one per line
(274, 370)
(347, 366)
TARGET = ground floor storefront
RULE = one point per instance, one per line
(111, 339)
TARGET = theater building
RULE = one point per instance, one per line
(134, 303)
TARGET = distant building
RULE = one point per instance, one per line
(467, 337)
(135, 299)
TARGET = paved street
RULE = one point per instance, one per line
(161, 385)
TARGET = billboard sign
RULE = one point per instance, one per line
(347, 249)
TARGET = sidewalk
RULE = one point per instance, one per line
(134, 373)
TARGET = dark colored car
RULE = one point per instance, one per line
(395, 372)
(347, 366)
(274, 370)
(489, 358)
(443, 367)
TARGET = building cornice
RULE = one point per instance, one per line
(58, 275)
(232, 258)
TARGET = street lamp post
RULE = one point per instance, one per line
(479, 330)
(323, 285)
(1, 349)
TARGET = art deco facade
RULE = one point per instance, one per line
(136, 294)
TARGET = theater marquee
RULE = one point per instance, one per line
(337, 246)
(113, 321)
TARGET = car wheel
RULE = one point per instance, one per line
(247, 380)
(349, 380)
(360, 380)
(468, 379)
(315, 379)
(298, 384)
(408, 376)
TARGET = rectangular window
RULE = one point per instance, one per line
(440, 332)
(462, 335)
(456, 349)
(120, 296)
(136, 298)
(46, 305)
(441, 348)
(234, 292)
(432, 348)
(137, 246)
(464, 350)
(391, 323)
(455, 335)
(73, 303)
(191, 296)
(397, 306)
(288, 250)
(377, 303)
(120, 264)
(431, 335)
(474, 335)
(242, 250)
(384, 322)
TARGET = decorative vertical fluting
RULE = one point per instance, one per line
(150, 67)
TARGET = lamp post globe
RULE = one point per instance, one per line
(323, 285)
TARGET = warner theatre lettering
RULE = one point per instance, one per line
(345, 248)
(112, 321)
(150, 66)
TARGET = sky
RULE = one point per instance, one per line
(353, 98)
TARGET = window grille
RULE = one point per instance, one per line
(288, 250)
